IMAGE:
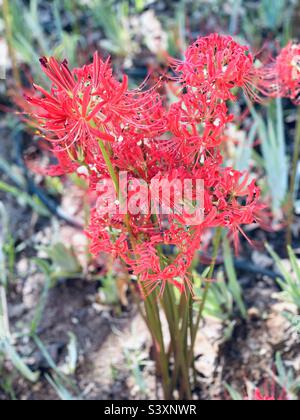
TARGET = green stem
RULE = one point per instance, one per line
(168, 306)
(293, 181)
(154, 323)
(110, 168)
(177, 345)
(191, 328)
(181, 364)
(115, 179)
(216, 246)
(151, 305)
(183, 357)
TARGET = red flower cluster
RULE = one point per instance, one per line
(282, 77)
(215, 65)
(89, 104)
(151, 140)
(270, 394)
(258, 396)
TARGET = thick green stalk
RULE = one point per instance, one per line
(185, 393)
(191, 328)
(181, 364)
(156, 332)
(177, 342)
(168, 307)
(151, 305)
(109, 165)
(216, 246)
(178, 346)
(293, 180)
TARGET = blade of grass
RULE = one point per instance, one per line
(44, 267)
(24, 199)
(233, 283)
(59, 388)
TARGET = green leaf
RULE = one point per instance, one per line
(45, 268)
(291, 283)
(63, 259)
(71, 361)
(18, 362)
(59, 388)
(24, 199)
(235, 395)
(273, 146)
(233, 283)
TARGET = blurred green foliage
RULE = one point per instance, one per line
(290, 286)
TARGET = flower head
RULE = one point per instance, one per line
(88, 104)
(152, 142)
(258, 396)
(216, 64)
(270, 394)
(282, 76)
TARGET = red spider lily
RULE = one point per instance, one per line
(216, 64)
(229, 201)
(150, 142)
(196, 124)
(259, 397)
(58, 73)
(88, 105)
(269, 394)
(154, 271)
(282, 76)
